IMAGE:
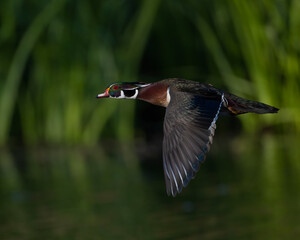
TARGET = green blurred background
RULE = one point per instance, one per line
(76, 167)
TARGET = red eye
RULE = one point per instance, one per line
(115, 87)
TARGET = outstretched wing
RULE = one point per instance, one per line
(189, 127)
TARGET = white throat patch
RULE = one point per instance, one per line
(122, 95)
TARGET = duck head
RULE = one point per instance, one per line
(127, 90)
(155, 93)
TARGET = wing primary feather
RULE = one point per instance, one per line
(174, 179)
(192, 166)
(179, 174)
(171, 188)
(201, 141)
(187, 178)
(171, 180)
(185, 164)
(194, 150)
(176, 169)
(185, 172)
(166, 170)
(187, 156)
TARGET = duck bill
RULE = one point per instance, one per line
(103, 95)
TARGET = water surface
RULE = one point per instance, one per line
(249, 188)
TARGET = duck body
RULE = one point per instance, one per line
(192, 109)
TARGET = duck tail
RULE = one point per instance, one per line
(237, 105)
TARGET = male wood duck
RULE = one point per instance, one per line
(192, 109)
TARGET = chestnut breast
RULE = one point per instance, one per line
(156, 93)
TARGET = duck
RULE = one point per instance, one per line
(192, 110)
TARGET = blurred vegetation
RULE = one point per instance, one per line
(57, 55)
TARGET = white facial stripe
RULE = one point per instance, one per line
(135, 95)
(168, 96)
(144, 85)
(122, 95)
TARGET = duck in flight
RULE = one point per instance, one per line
(192, 110)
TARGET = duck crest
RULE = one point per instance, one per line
(155, 93)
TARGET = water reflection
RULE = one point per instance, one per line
(248, 189)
